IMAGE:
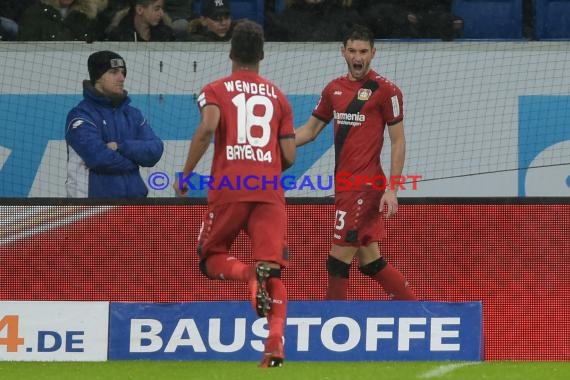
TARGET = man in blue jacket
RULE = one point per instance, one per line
(107, 138)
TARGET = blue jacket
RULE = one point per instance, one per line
(93, 169)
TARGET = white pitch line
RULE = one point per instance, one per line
(445, 369)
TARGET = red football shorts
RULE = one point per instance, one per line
(358, 222)
(264, 223)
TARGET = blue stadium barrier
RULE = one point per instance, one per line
(346, 331)
(490, 19)
(251, 9)
(552, 19)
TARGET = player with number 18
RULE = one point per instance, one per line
(252, 125)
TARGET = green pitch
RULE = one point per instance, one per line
(210, 370)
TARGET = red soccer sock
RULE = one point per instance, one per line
(226, 267)
(278, 312)
(337, 288)
(394, 284)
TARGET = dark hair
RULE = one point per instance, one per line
(361, 33)
(144, 3)
(247, 42)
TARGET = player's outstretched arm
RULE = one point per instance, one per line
(309, 131)
(200, 142)
(398, 150)
(397, 158)
(288, 152)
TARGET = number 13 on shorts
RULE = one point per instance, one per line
(339, 220)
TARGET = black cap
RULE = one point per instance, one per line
(99, 62)
(215, 8)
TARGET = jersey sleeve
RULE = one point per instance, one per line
(286, 128)
(393, 105)
(324, 110)
(207, 97)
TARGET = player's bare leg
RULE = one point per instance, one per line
(372, 264)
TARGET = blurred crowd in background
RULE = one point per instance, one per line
(211, 20)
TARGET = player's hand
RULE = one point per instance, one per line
(180, 191)
(390, 201)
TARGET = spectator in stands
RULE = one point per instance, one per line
(214, 25)
(13, 9)
(106, 17)
(412, 19)
(433, 19)
(386, 18)
(144, 20)
(61, 20)
(10, 14)
(107, 138)
(311, 20)
(180, 12)
(8, 29)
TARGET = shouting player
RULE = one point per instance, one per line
(252, 123)
(362, 103)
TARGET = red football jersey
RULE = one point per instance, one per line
(254, 115)
(360, 153)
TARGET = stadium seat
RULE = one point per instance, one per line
(280, 6)
(490, 19)
(251, 9)
(552, 19)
